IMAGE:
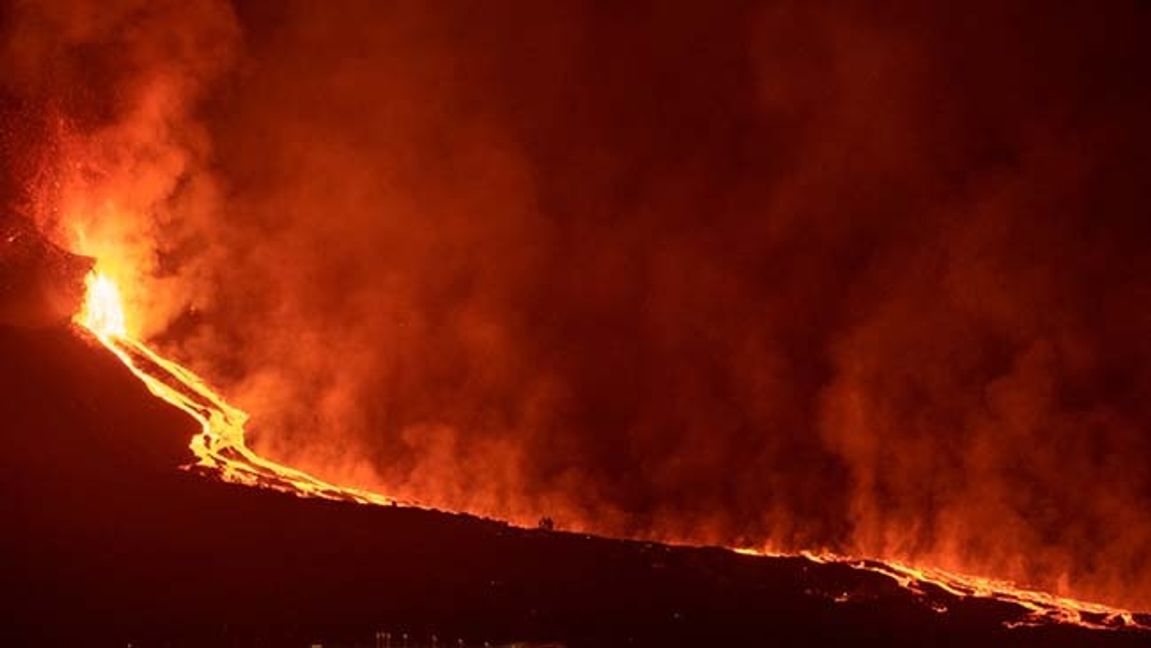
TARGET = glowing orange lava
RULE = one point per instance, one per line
(927, 583)
(220, 450)
(220, 447)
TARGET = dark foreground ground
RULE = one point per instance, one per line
(105, 542)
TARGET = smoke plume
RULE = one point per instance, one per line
(861, 278)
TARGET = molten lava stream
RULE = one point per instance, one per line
(220, 450)
(1039, 607)
(220, 447)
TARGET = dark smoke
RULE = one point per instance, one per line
(864, 278)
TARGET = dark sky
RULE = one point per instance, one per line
(859, 276)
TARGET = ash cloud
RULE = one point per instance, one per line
(866, 278)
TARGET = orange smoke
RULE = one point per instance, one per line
(856, 279)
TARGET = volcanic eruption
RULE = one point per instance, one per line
(865, 285)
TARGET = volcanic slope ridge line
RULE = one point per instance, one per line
(221, 451)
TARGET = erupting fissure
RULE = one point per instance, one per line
(220, 450)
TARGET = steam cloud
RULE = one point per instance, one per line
(870, 279)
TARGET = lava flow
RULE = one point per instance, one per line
(220, 447)
(932, 586)
(220, 450)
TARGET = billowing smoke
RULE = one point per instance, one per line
(102, 144)
(863, 278)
